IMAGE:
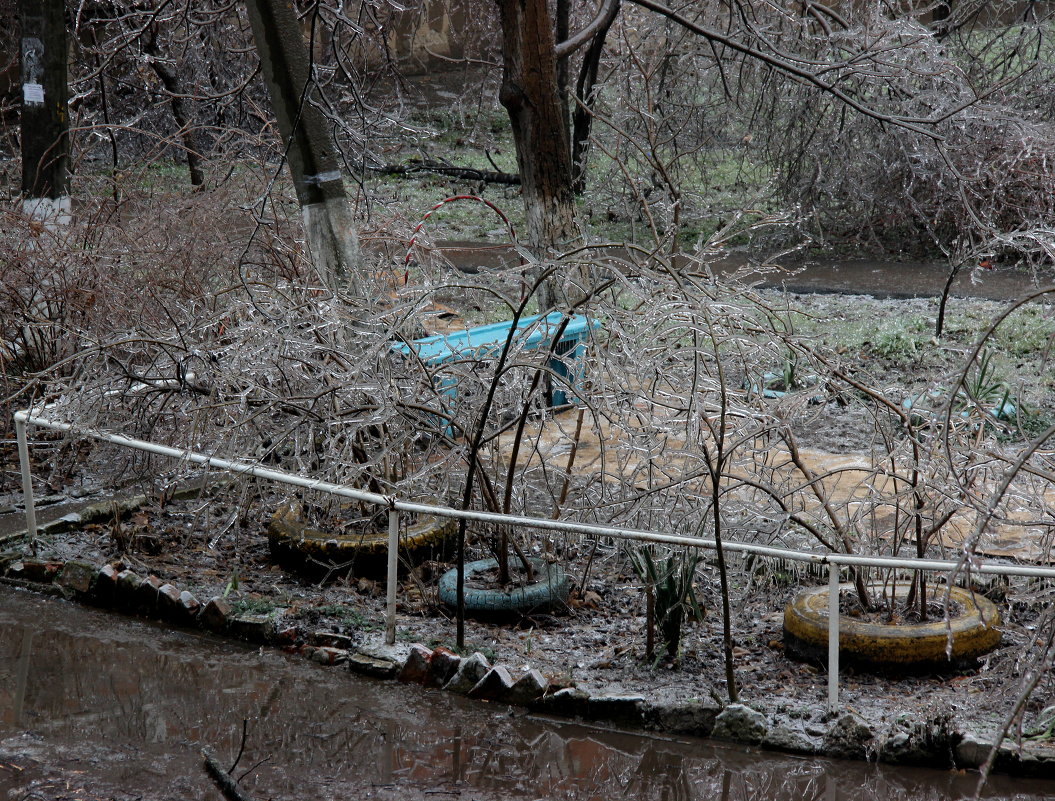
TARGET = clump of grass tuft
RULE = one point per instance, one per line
(253, 606)
(344, 614)
(901, 340)
(1029, 330)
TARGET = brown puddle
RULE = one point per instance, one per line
(881, 278)
(94, 706)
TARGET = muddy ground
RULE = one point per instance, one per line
(216, 545)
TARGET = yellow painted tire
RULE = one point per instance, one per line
(296, 545)
(905, 648)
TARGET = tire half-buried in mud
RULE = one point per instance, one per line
(320, 554)
(894, 648)
(549, 591)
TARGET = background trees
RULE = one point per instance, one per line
(920, 127)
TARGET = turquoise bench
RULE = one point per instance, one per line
(486, 342)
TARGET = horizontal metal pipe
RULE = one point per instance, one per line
(210, 461)
(590, 529)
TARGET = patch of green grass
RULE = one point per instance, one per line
(714, 186)
(347, 615)
(1033, 423)
(896, 339)
(456, 124)
(901, 340)
(253, 606)
(412, 197)
(1029, 330)
(156, 177)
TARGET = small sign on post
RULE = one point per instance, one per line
(33, 94)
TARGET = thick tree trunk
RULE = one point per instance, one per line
(562, 30)
(331, 235)
(45, 119)
(530, 96)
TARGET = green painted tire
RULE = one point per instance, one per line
(550, 591)
(299, 547)
(906, 648)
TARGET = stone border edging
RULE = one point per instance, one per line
(848, 736)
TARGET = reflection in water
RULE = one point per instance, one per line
(126, 706)
(22, 676)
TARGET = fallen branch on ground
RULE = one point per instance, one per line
(469, 173)
(228, 786)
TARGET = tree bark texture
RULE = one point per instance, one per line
(562, 30)
(310, 153)
(530, 95)
(45, 118)
(585, 95)
(182, 108)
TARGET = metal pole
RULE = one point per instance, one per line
(393, 557)
(27, 479)
(833, 637)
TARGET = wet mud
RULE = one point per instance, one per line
(97, 706)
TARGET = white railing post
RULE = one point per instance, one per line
(27, 478)
(833, 637)
(393, 557)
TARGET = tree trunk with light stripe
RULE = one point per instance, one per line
(310, 153)
(530, 95)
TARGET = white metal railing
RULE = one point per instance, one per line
(833, 560)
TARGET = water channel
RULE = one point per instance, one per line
(96, 706)
(881, 278)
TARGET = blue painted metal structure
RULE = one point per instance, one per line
(531, 333)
